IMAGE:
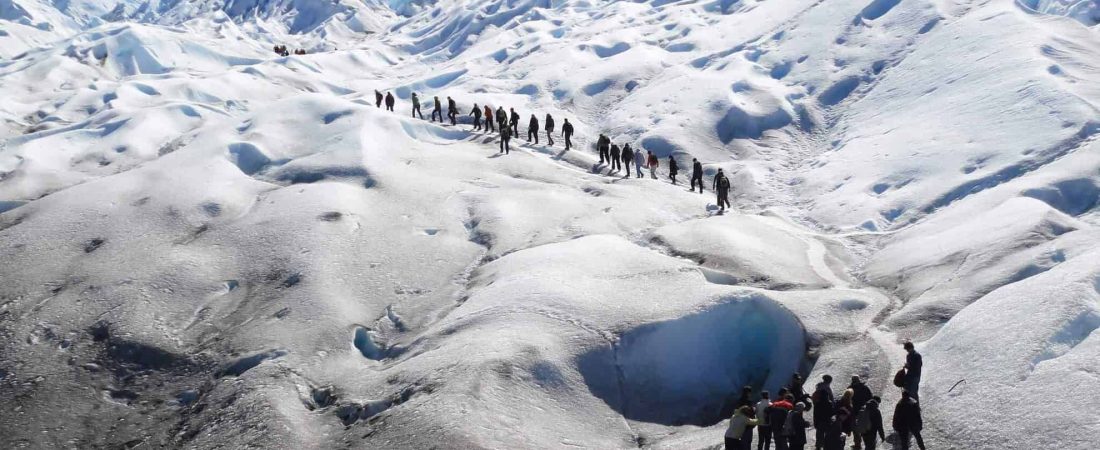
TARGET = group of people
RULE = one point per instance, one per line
(282, 51)
(856, 414)
(507, 122)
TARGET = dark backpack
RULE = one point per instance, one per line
(899, 378)
(724, 183)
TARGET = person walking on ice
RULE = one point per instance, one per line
(628, 158)
(672, 169)
(652, 163)
(913, 363)
(477, 117)
(549, 130)
(639, 162)
(533, 129)
(416, 106)
(438, 110)
(452, 111)
(722, 187)
(697, 176)
(389, 102)
(907, 421)
(567, 131)
(616, 158)
(489, 118)
(505, 136)
(515, 121)
(377, 99)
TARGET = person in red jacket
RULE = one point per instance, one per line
(653, 163)
(489, 118)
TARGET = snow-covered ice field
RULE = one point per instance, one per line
(206, 245)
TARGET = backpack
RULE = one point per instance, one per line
(863, 421)
(724, 183)
(899, 378)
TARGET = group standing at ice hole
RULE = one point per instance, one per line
(856, 414)
(507, 125)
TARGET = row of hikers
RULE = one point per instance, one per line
(282, 51)
(507, 122)
(855, 414)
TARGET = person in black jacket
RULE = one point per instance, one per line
(505, 136)
(672, 169)
(452, 111)
(603, 146)
(861, 394)
(907, 421)
(533, 129)
(389, 101)
(796, 431)
(722, 187)
(502, 118)
(437, 110)
(567, 131)
(873, 428)
(377, 99)
(416, 106)
(628, 158)
(697, 176)
(913, 363)
(549, 128)
(616, 161)
(824, 405)
(477, 117)
(515, 122)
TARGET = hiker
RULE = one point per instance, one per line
(628, 158)
(616, 158)
(696, 174)
(452, 111)
(567, 131)
(489, 118)
(549, 129)
(824, 405)
(416, 106)
(796, 379)
(764, 427)
(844, 413)
(515, 122)
(869, 425)
(861, 394)
(639, 161)
(907, 420)
(672, 169)
(502, 118)
(603, 147)
(377, 99)
(739, 423)
(477, 117)
(533, 129)
(834, 435)
(653, 162)
(389, 101)
(795, 427)
(913, 363)
(505, 136)
(438, 110)
(777, 414)
(745, 401)
(722, 187)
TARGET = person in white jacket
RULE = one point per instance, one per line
(738, 423)
(764, 427)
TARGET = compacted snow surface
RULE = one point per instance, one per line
(206, 245)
